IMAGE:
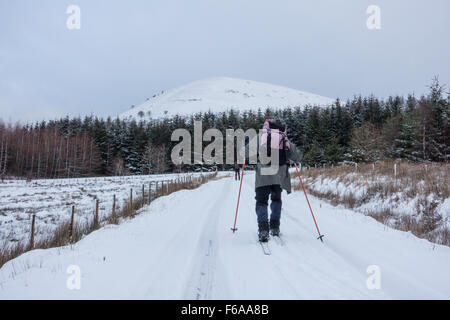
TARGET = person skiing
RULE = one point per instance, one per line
(237, 173)
(273, 135)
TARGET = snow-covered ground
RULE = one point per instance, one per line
(52, 199)
(221, 94)
(182, 247)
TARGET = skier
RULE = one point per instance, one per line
(237, 173)
(274, 135)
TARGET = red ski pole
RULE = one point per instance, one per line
(303, 187)
(239, 197)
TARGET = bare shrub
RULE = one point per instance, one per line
(349, 200)
(384, 215)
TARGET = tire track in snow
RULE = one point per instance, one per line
(273, 263)
(204, 272)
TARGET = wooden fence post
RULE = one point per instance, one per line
(149, 193)
(96, 214)
(32, 232)
(143, 195)
(71, 224)
(114, 208)
(131, 201)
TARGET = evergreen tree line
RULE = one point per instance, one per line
(363, 129)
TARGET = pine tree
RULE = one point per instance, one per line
(439, 125)
(405, 142)
(333, 153)
(314, 156)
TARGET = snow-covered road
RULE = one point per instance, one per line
(182, 248)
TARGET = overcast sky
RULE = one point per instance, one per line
(128, 50)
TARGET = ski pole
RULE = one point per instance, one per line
(304, 191)
(239, 197)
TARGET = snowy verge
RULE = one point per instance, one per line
(416, 199)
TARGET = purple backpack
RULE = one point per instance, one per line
(274, 134)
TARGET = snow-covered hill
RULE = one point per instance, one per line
(221, 94)
(181, 247)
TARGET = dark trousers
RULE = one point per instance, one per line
(237, 175)
(262, 200)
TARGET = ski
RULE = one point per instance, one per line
(279, 240)
(265, 248)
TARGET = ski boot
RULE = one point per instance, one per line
(263, 231)
(275, 228)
